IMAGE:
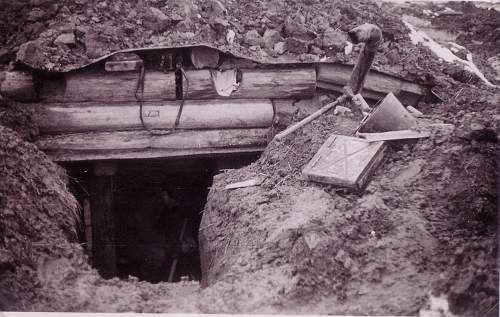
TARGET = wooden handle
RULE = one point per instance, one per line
(371, 35)
(309, 118)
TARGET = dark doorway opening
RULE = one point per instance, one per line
(157, 209)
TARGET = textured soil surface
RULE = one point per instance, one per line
(425, 226)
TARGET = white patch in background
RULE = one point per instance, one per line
(348, 48)
(444, 53)
(438, 307)
(230, 36)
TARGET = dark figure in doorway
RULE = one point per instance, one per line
(153, 237)
(181, 242)
(146, 241)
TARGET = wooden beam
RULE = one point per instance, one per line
(377, 84)
(103, 86)
(138, 140)
(256, 83)
(18, 85)
(103, 228)
(142, 144)
(83, 156)
(196, 114)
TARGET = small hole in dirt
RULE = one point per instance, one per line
(157, 209)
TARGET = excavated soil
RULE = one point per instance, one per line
(425, 226)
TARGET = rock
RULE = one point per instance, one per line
(294, 27)
(270, 38)
(253, 38)
(81, 30)
(35, 28)
(31, 53)
(5, 55)
(157, 20)
(95, 46)
(342, 111)
(36, 14)
(495, 64)
(102, 5)
(280, 48)
(297, 46)
(158, 14)
(132, 14)
(216, 8)
(66, 38)
(230, 36)
(334, 39)
(220, 25)
(316, 50)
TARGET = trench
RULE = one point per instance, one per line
(155, 215)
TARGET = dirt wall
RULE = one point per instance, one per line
(426, 224)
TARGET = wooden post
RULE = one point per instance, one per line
(88, 226)
(103, 227)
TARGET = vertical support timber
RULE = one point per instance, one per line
(103, 227)
(88, 226)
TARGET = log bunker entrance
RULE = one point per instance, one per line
(141, 218)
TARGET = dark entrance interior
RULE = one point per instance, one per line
(156, 211)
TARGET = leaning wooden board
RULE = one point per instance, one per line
(345, 161)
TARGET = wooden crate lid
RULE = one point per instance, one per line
(344, 160)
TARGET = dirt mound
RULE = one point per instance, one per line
(33, 196)
(424, 224)
(42, 266)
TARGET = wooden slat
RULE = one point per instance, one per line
(393, 135)
(196, 114)
(256, 83)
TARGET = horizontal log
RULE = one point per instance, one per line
(142, 144)
(143, 140)
(71, 156)
(18, 85)
(377, 85)
(196, 114)
(84, 86)
(255, 83)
